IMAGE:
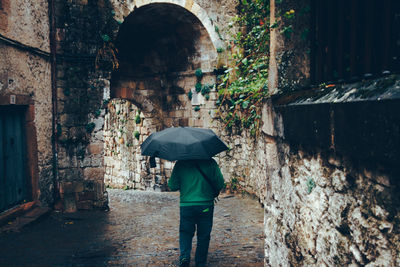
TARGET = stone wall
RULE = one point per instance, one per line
(325, 172)
(163, 102)
(243, 165)
(124, 166)
(83, 91)
(127, 126)
(331, 183)
(28, 76)
(87, 33)
(332, 186)
(162, 86)
(322, 209)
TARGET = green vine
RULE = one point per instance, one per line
(136, 134)
(198, 87)
(90, 127)
(138, 120)
(199, 74)
(310, 185)
(243, 85)
(206, 89)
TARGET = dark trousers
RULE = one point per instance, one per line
(192, 217)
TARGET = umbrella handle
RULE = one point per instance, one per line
(153, 162)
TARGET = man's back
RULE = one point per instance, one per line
(193, 186)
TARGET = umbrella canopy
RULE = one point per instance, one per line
(183, 143)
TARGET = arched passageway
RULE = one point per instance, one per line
(160, 46)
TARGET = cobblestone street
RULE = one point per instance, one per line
(141, 229)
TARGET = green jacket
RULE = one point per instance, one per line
(193, 187)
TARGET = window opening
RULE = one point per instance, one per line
(354, 39)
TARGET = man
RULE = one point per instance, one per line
(198, 181)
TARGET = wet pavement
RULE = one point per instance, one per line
(141, 229)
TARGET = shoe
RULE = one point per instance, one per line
(184, 263)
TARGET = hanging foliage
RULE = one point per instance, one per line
(244, 84)
(106, 57)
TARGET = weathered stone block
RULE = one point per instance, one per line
(137, 178)
(93, 173)
(71, 187)
(70, 174)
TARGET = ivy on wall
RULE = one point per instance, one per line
(243, 84)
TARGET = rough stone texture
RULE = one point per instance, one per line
(321, 208)
(21, 14)
(331, 185)
(123, 161)
(162, 99)
(212, 14)
(125, 129)
(83, 93)
(331, 196)
(243, 166)
(319, 214)
(293, 50)
(28, 75)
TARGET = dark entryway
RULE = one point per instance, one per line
(13, 182)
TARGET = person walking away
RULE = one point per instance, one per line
(197, 194)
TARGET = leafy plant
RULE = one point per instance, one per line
(90, 127)
(105, 102)
(287, 31)
(244, 84)
(97, 113)
(234, 183)
(105, 37)
(190, 95)
(205, 89)
(217, 31)
(310, 185)
(137, 119)
(196, 108)
(234, 186)
(136, 134)
(199, 74)
(198, 87)
(107, 55)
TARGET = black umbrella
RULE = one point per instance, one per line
(182, 143)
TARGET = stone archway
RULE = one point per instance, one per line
(123, 10)
(160, 45)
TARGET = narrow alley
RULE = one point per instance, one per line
(300, 100)
(141, 229)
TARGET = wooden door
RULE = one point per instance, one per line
(13, 180)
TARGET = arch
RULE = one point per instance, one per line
(160, 46)
(192, 7)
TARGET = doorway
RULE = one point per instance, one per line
(13, 180)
